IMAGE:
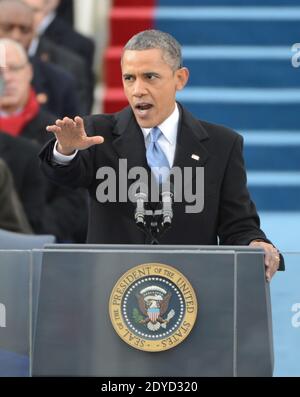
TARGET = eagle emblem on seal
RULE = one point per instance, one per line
(153, 303)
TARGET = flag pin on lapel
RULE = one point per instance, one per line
(195, 157)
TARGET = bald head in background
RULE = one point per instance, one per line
(16, 22)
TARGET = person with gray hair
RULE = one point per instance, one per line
(50, 209)
(155, 132)
(59, 76)
(155, 39)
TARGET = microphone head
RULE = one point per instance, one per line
(138, 191)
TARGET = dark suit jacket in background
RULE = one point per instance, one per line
(21, 157)
(61, 33)
(69, 61)
(12, 215)
(58, 86)
(229, 214)
(65, 10)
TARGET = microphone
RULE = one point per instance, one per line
(167, 201)
(141, 198)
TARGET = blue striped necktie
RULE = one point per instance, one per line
(156, 158)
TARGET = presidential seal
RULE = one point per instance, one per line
(153, 307)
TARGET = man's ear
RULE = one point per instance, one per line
(182, 76)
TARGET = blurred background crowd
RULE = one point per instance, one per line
(50, 71)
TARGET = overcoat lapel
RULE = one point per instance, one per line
(129, 140)
(190, 151)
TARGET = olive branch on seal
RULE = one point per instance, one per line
(137, 315)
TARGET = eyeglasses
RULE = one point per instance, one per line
(13, 68)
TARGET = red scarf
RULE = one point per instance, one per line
(15, 124)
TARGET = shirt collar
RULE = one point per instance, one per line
(168, 127)
(33, 46)
(45, 23)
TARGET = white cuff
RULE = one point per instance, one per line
(62, 159)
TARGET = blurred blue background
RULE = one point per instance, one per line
(239, 53)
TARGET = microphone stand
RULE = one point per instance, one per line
(154, 223)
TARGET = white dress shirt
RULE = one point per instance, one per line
(167, 140)
(39, 32)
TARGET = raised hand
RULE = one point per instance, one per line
(71, 135)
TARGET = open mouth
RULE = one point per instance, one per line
(143, 107)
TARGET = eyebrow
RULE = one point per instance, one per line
(144, 74)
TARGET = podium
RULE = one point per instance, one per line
(74, 335)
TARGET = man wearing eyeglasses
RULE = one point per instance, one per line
(56, 88)
(15, 77)
(53, 211)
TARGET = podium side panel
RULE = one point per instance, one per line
(254, 323)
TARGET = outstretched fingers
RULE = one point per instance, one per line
(53, 128)
(61, 125)
(69, 123)
(79, 123)
(65, 123)
(71, 134)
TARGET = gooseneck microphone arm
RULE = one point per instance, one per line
(154, 223)
(167, 210)
(140, 211)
